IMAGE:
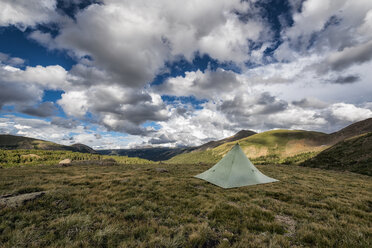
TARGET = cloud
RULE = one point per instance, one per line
(349, 56)
(243, 106)
(18, 93)
(26, 13)
(349, 112)
(12, 61)
(74, 103)
(45, 109)
(162, 139)
(199, 84)
(64, 123)
(117, 108)
(25, 87)
(50, 77)
(325, 26)
(347, 80)
(134, 40)
(310, 103)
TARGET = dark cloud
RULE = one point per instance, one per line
(310, 103)
(131, 56)
(109, 102)
(162, 139)
(122, 125)
(271, 104)
(347, 80)
(181, 111)
(349, 56)
(18, 93)
(44, 109)
(218, 80)
(140, 113)
(65, 123)
(244, 106)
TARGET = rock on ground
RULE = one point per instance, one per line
(18, 200)
(65, 162)
(289, 222)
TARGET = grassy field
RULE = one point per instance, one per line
(139, 206)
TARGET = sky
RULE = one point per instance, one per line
(123, 74)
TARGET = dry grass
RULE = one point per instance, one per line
(137, 206)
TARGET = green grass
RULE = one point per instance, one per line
(9, 158)
(135, 206)
(208, 156)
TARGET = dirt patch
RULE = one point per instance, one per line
(288, 222)
(31, 156)
(255, 152)
(19, 200)
(295, 147)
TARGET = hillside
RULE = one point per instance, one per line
(353, 154)
(12, 142)
(212, 144)
(279, 144)
(83, 148)
(352, 130)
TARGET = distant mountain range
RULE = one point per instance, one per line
(165, 153)
(275, 143)
(154, 154)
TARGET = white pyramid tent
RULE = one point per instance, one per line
(234, 170)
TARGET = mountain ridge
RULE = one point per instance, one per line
(165, 153)
(13, 142)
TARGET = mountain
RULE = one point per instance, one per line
(83, 148)
(165, 153)
(12, 142)
(352, 154)
(212, 144)
(352, 130)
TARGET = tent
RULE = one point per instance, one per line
(234, 170)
